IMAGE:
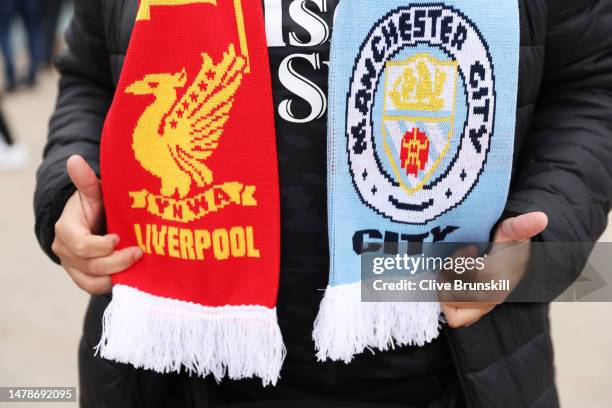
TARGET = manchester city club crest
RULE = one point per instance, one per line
(418, 116)
(420, 113)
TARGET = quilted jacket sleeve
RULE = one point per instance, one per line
(565, 167)
(85, 94)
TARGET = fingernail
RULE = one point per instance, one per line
(114, 238)
(138, 254)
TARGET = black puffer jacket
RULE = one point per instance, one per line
(563, 166)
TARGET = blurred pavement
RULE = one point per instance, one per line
(41, 310)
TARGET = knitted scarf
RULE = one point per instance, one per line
(422, 101)
(189, 170)
(422, 104)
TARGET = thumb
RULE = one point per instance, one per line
(84, 179)
(521, 228)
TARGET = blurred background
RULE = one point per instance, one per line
(41, 310)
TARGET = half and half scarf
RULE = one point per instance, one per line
(422, 101)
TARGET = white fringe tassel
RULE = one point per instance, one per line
(165, 335)
(346, 326)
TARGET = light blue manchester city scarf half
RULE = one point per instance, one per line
(422, 99)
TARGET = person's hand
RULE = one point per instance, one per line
(88, 258)
(512, 264)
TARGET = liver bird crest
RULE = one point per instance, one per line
(175, 136)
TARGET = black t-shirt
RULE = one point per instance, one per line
(407, 376)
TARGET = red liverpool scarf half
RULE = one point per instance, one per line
(189, 174)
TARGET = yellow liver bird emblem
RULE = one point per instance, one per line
(174, 137)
